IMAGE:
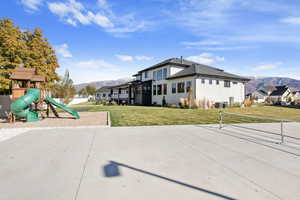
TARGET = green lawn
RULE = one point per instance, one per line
(143, 116)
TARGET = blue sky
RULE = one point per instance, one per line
(110, 39)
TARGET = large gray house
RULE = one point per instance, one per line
(173, 78)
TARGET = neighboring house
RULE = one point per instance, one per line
(172, 79)
(262, 93)
(120, 93)
(296, 96)
(268, 89)
(103, 93)
(259, 96)
(281, 94)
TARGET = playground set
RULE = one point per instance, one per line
(30, 99)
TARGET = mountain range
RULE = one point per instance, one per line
(251, 86)
(255, 83)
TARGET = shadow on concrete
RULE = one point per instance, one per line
(112, 170)
(253, 140)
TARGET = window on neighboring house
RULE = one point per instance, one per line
(154, 75)
(165, 71)
(159, 74)
(173, 88)
(120, 91)
(146, 74)
(188, 86)
(154, 89)
(165, 89)
(210, 81)
(180, 87)
(226, 83)
(159, 89)
(203, 81)
(234, 83)
(217, 82)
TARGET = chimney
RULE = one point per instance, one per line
(181, 60)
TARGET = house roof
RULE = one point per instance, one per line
(124, 85)
(193, 68)
(103, 89)
(173, 61)
(260, 92)
(205, 70)
(267, 88)
(280, 90)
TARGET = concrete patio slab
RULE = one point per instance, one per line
(159, 162)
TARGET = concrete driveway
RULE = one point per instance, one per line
(167, 162)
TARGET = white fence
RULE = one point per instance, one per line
(74, 101)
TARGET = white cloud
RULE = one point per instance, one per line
(202, 43)
(206, 58)
(32, 5)
(291, 20)
(63, 51)
(124, 57)
(132, 58)
(265, 67)
(74, 13)
(96, 64)
(143, 58)
(93, 70)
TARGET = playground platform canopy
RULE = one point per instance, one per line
(27, 74)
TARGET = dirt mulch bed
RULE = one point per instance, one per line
(86, 119)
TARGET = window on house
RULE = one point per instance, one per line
(165, 89)
(146, 74)
(159, 74)
(104, 95)
(165, 73)
(154, 89)
(210, 81)
(154, 75)
(203, 81)
(234, 83)
(159, 89)
(180, 87)
(120, 91)
(173, 88)
(188, 86)
(226, 83)
(217, 82)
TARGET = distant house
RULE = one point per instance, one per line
(262, 93)
(259, 96)
(296, 96)
(103, 94)
(120, 93)
(281, 94)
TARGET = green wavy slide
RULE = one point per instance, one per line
(62, 106)
(20, 107)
